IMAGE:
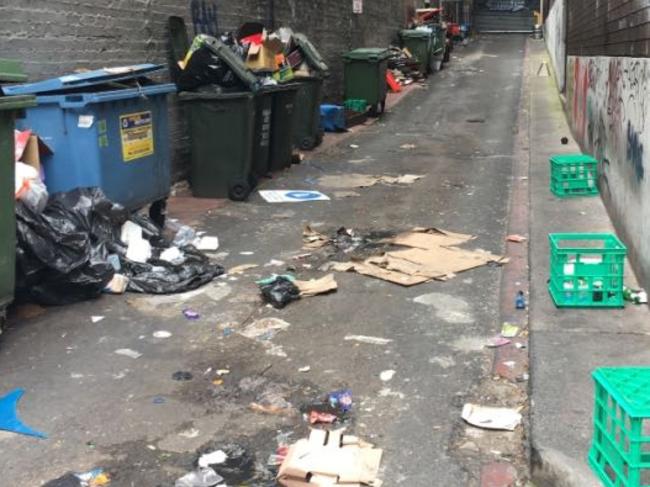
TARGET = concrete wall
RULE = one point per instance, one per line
(54, 37)
(555, 35)
(608, 104)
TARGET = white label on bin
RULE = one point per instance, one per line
(85, 121)
(136, 132)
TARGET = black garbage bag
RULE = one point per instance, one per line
(61, 253)
(162, 277)
(206, 68)
(280, 292)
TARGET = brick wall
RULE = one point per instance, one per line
(608, 28)
(54, 37)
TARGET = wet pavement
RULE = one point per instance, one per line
(127, 415)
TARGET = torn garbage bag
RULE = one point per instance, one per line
(62, 253)
(279, 290)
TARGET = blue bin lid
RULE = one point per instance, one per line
(87, 79)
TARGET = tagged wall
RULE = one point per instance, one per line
(608, 103)
(55, 37)
(555, 35)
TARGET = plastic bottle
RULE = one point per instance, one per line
(520, 300)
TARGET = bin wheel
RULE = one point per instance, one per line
(307, 143)
(447, 56)
(378, 108)
(239, 190)
(253, 181)
(158, 212)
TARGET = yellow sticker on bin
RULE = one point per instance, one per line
(136, 132)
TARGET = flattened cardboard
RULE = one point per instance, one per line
(314, 287)
(430, 238)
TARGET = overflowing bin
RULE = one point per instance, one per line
(419, 42)
(307, 131)
(106, 128)
(365, 77)
(10, 107)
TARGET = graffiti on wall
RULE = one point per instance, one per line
(204, 17)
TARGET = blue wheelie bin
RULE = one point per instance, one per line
(106, 128)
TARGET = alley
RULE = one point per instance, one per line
(128, 416)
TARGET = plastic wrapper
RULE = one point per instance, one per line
(280, 291)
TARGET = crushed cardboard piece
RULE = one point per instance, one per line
(368, 339)
(516, 238)
(431, 254)
(314, 287)
(328, 458)
(491, 418)
(313, 240)
(351, 181)
(240, 269)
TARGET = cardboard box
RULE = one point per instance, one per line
(263, 57)
(30, 149)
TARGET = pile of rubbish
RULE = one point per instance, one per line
(80, 245)
(271, 58)
(404, 66)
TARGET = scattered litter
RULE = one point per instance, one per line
(508, 330)
(190, 433)
(9, 420)
(340, 400)
(273, 404)
(93, 478)
(350, 181)
(274, 263)
(491, 418)
(431, 255)
(520, 300)
(217, 382)
(304, 369)
(509, 363)
(354, 146)
(497, 341)
(387, 375)
(96, 319)
(222, 372)
(327, 458)
(368, 339)
(182, 375)
(127, 352)
(240, 269)
(520, 345)
(313, 240)
(207, 243)
(117, 285)
(161, 334)
(316, 417)
(264, 328)
(387, 392)
(407, 146)
(246, 252)
(636, 296)
(173, 255)
(292, 196)
(191, 314)
(516, 238)
(215, 458)
(279, 290)
(159, 400)
(202, 477)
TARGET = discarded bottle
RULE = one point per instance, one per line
(520, 300)
(635, 296)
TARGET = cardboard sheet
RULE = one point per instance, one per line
(314, 287)
(330, 459)
(312, 239)
(351, 181)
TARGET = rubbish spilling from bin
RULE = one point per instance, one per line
(330, 458)
(64, 253)
(491, 418)
(431, 254)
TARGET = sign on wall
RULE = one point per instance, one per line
(357, 6)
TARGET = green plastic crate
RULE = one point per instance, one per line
(574, 175)
(620, 449)
(356, 105)
(586, 270)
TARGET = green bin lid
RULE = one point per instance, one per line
(314, 59)
(373, 54)
(12, 71)
(419, 34)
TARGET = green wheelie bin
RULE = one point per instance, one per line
(365, 77)
(10, 108)
(308, 133)
(420, 44)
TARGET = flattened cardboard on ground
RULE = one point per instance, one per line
(314, 287)
(313, 239)
(330, 459)
(350, 181)
(431, 255)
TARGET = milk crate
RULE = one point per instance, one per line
(574, 175)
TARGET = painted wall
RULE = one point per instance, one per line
(555, 35)
(608, 104)
(55, 37)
